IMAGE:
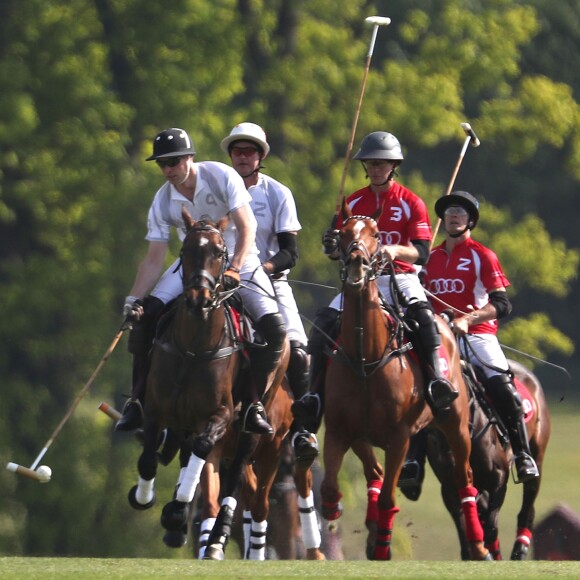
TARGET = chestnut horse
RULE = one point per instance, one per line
(195, 361)
(491, 460)
(258, 482)
(374, 394)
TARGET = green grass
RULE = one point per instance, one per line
(19, 568)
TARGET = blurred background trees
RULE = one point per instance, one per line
(85, 88)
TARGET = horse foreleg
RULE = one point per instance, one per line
(210, 486)
(526, 520)
(142, 496)
(222, 529)
(249, 487)
(335, 448)
(311, 536)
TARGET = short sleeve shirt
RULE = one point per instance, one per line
(275, 211)
(219, 190)
(404, 216)
(464, 278)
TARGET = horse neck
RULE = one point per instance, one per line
(364, 323)
(195, 332)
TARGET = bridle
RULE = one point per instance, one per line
(371, 262)
(202, 278)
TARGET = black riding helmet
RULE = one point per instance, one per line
(171, 143)
(380, 145)
(463, 199)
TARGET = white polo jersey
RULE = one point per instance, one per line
(275, 211)
(218, 190)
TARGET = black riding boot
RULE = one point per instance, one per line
(439, 392)
(304, 443)
(413, 472)
(508, 404)
(264, 362)
(140, 341)
(310, 408)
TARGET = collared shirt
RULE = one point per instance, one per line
(464, 278)
(404, 216)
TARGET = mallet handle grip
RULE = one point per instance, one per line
(110, 411)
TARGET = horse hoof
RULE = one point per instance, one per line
(174, 516)
(175, 538)
(139, 506)
(519, 552)
(214, 553)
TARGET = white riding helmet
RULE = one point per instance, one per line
(247, 132)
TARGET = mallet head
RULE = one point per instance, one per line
(475, 142)
(42, 474)
(378, 20)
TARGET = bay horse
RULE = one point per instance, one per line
(195, 360)
(375, 395)
(260, 473)
(491, 459)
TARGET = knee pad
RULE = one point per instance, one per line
(143, 331)
(298, 369)
(273, 329)
(421, 313)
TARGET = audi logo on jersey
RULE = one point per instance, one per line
(390, 238)
(446, 286)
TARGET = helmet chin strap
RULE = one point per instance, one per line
(257, 170)
(459, 234)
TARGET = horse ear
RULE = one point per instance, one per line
(378, 212)
(346, 210)
(188, 220)
(223, 223)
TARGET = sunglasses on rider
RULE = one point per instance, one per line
(247, 151)
(169, 161)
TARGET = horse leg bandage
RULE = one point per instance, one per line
(473, 529)
(204, 532)
(384, 533)
(247, 527)
(190, 479)
(145, 493)
(309, 522)
(373, 492)
(258, 540)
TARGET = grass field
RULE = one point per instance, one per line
(19, 568)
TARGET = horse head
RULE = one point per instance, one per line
(203, 261)
(359, 242)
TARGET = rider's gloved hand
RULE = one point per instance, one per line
(133, 308)
(231, 278)
(330, 241)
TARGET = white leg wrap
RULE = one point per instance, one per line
(204, 532)
(247, 526)
(309, 522)
(258, 540)
(144, 493)
(190, 479)
(230, 502)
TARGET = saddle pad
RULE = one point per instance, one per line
(527, 404)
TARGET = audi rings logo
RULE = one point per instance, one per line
(446, 286)
(390, 238)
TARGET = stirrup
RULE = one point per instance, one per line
(526, 467)
(440, 394)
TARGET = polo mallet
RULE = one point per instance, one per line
(471, 137)
(376, 21)
(44, 473)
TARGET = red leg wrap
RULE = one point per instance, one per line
(332, 510)
(494, 550)
(383, 545)
(473, 528)
(524, 536)
(374, 490)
